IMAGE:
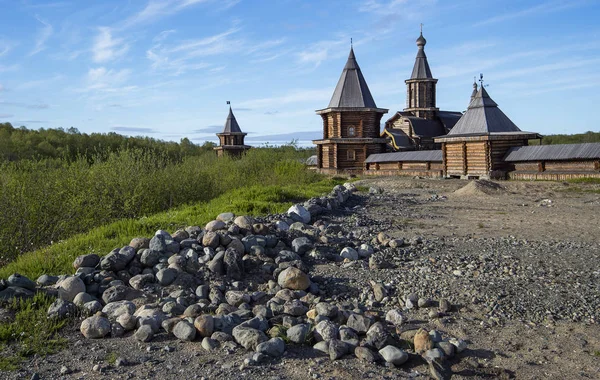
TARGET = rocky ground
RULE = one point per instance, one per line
(508, 275)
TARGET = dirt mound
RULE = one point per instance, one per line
(481, 187)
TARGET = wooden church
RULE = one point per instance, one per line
(351, 124)
(423, 141)
(231, 140)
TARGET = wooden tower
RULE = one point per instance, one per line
(477, 144)
(420, 88)
(231, 140)
(351, 124)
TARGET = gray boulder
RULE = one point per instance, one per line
(19, 281)
(184, 330)
(117, 259)
(70, 287)
(274, 347)
(61, 309)
(248, 337)
(393, 355)
(299, 333)
(95, 327)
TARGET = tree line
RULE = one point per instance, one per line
(21, 143)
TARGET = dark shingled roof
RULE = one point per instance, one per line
(426, 128)
(483, 117)
(421, 69)
(231, 125)
(449, 118)
(414, 156)
(400, 140)
(553, 152)
(352, 89)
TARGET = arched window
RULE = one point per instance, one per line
(351, 131)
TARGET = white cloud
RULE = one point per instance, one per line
(39, 82)
(107, 48)
(101, 79)
(156, 9)
(550, 7)
(44, 34)
(295, 96)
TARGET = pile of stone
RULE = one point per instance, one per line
(237, 282)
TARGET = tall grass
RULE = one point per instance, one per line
(254, 200)
(42, 202)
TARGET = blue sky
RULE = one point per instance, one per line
(165, 68)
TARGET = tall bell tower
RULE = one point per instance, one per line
(420, 88)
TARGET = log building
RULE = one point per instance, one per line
(476, 146)
(415, 127)
(481, 143)
(351, 124)
(231, 140)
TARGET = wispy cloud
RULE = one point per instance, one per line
(209, 129)
(155, 10)
(43, 35)
(31, 122)
(106, 47)
(33, 106)
(194, 54)
(39, 82)
(2, 88)
(5, 46)
(104, 80)
(295, 96)
(549, 7)
(128, 129)
(5, 115)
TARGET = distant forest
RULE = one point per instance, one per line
(21, 144)
(587, 137)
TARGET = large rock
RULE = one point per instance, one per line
(95, 327)
(215, 225)
(395, 317)
(337, 349)
(349, 253)
(248, 337)
(88, 261)
(294, 279)
(422, 341)
(117, 259)
(244, 222)
(274, 347)
(166, 276)
(184, 330)
(393, 355)
(61, 309)
(82, 298)
(299, 214)
(216, 265)
(150, 257)
(234, 266)
(120, 293)
(326, 330)
(70, 287)
(141, 280)
(20, 282)
(114, 309)
(301, 245)
(205, 324)
(144, 334)
(359, 323)
(298, 334)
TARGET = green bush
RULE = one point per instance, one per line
(43, 202)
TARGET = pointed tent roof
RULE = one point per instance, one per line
(231, 125)
(483, 117)
(352, 90)
(421, 69)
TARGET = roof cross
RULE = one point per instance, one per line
(421, 28)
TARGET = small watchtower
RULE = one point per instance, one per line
(231, 140)
(351, 130)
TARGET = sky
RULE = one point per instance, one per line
(165, 68)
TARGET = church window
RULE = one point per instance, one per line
(351, 155)
(351, 131)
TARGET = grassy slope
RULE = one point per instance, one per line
(58, 258)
